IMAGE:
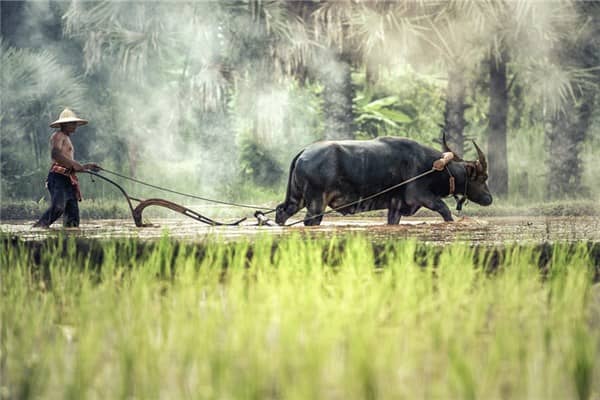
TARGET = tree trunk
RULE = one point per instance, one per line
(498, 113)
(562, 160)
(584, 119)
(517, 105)
(35, 147)
(373, 69)
(454, 114)
(338, 94)
(565, 134)
(132, 156)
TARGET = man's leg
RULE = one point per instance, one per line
(71, 219)
(57, 203)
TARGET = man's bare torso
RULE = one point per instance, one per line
(62, 143)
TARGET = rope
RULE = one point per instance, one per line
(414, 178)
(185, 194)
(269, 210)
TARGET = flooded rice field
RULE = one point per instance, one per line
(480, 230)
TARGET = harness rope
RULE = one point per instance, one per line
(414, 178)
(187, 194)
(258, 213)
(136, 212)
(463, 199)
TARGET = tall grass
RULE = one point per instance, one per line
(295, 317)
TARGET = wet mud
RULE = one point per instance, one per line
(489, 230)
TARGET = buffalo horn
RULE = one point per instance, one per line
(447, 148)
(481, 157)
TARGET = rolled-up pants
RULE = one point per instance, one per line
(63, 200)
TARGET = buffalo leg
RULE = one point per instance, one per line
(394, 214)
(315, 207)
(439, 206)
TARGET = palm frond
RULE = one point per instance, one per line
(33, 89)
(331, 22)
(553, 85)
(294, 49)
(132, 32)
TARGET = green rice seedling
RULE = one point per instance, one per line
(584, 356)
(296, 317)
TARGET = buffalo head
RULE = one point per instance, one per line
(285, 210)
(476, 176)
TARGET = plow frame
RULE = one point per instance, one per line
(136, 212)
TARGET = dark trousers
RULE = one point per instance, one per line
(63, 200)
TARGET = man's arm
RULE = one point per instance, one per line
(58, 155)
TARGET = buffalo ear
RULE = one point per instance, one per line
(447, 148)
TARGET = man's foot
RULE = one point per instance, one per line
(40, 224)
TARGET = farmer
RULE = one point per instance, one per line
(62, 182)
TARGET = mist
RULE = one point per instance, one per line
(175, 91)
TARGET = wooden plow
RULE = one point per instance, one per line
(136, 212)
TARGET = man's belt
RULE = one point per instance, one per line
(59, 169)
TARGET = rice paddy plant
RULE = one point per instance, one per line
(296, 317)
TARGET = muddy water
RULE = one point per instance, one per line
(489, 230)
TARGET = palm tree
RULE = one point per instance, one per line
(354, 34)
(497, 125)
(419, 32)
(508, 28)
(124, 46)
(511, 35)
(217, 56)
(575, 86)
(331, 26)
(34, 88)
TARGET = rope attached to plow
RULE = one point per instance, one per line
(136, 212)
(409, 180)
(259, 215)
(185, 194)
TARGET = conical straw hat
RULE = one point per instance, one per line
(67, 116)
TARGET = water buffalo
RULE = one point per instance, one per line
(335, 173)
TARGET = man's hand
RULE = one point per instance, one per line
(92, 167)
(75, 166)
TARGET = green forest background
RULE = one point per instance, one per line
(215, 98)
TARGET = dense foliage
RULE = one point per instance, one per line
(205, 96)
